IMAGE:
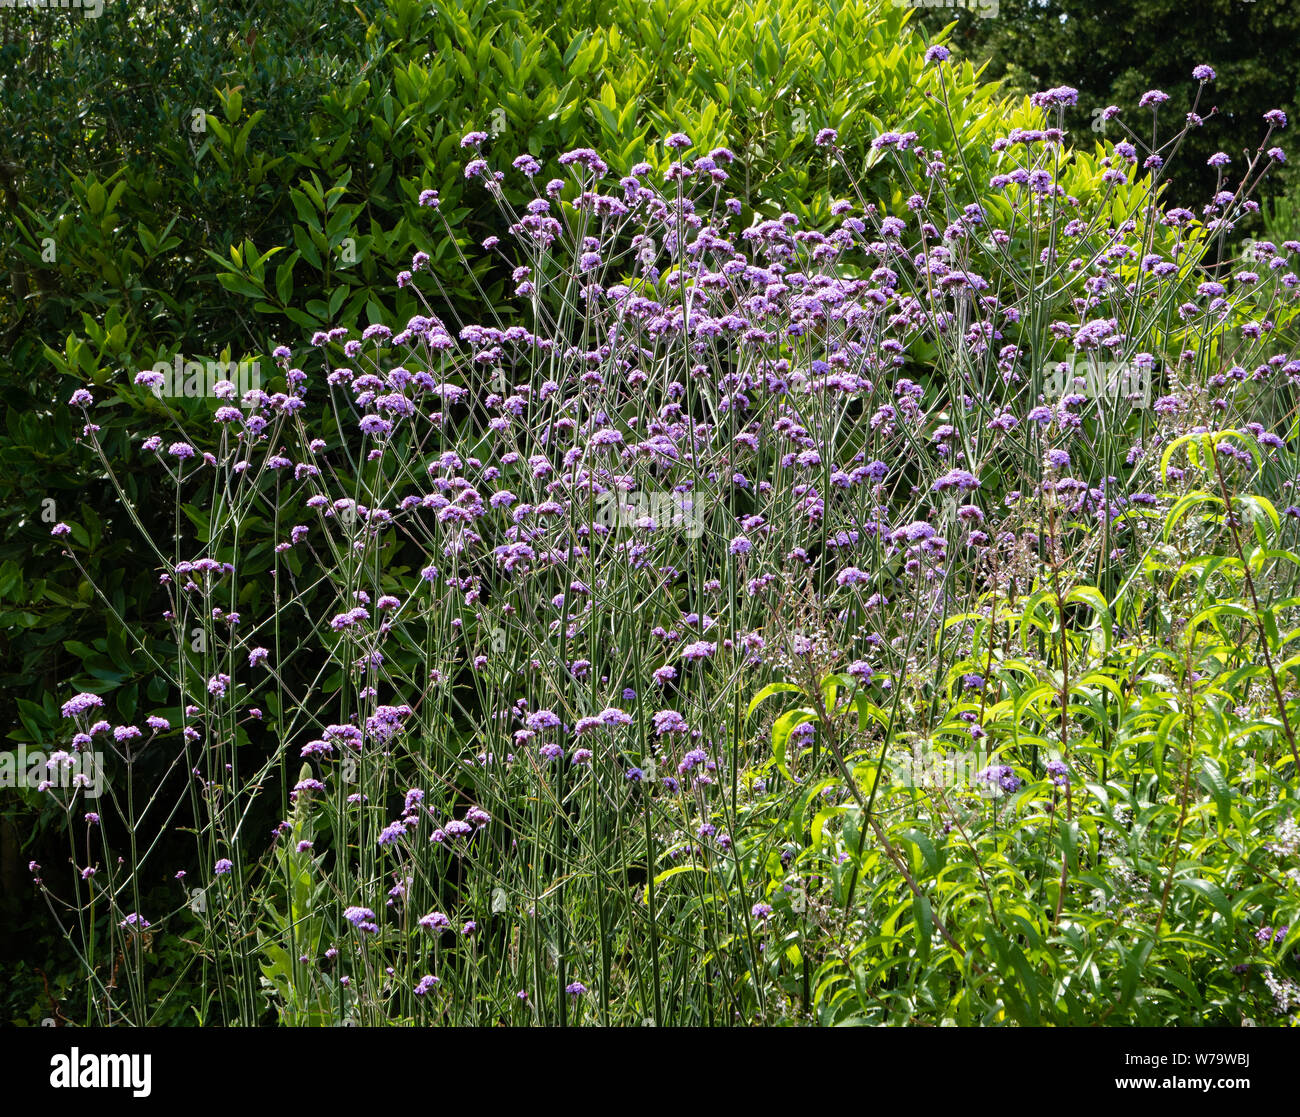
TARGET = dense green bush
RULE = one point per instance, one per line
(262, 180)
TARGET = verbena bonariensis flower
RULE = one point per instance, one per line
(689, 458)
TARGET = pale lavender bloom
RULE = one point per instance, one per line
(80, 703)
(956, 479)
(391, 833)
(363, 919)
(542, 719)
(669, 721)
(1056, 459)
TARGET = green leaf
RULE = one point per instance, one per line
(1211, 778)
(1213, 895)
(767, 692)
(924, 918)
(667, 873)
(781, 731)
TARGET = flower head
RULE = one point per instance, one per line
(80, 703)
